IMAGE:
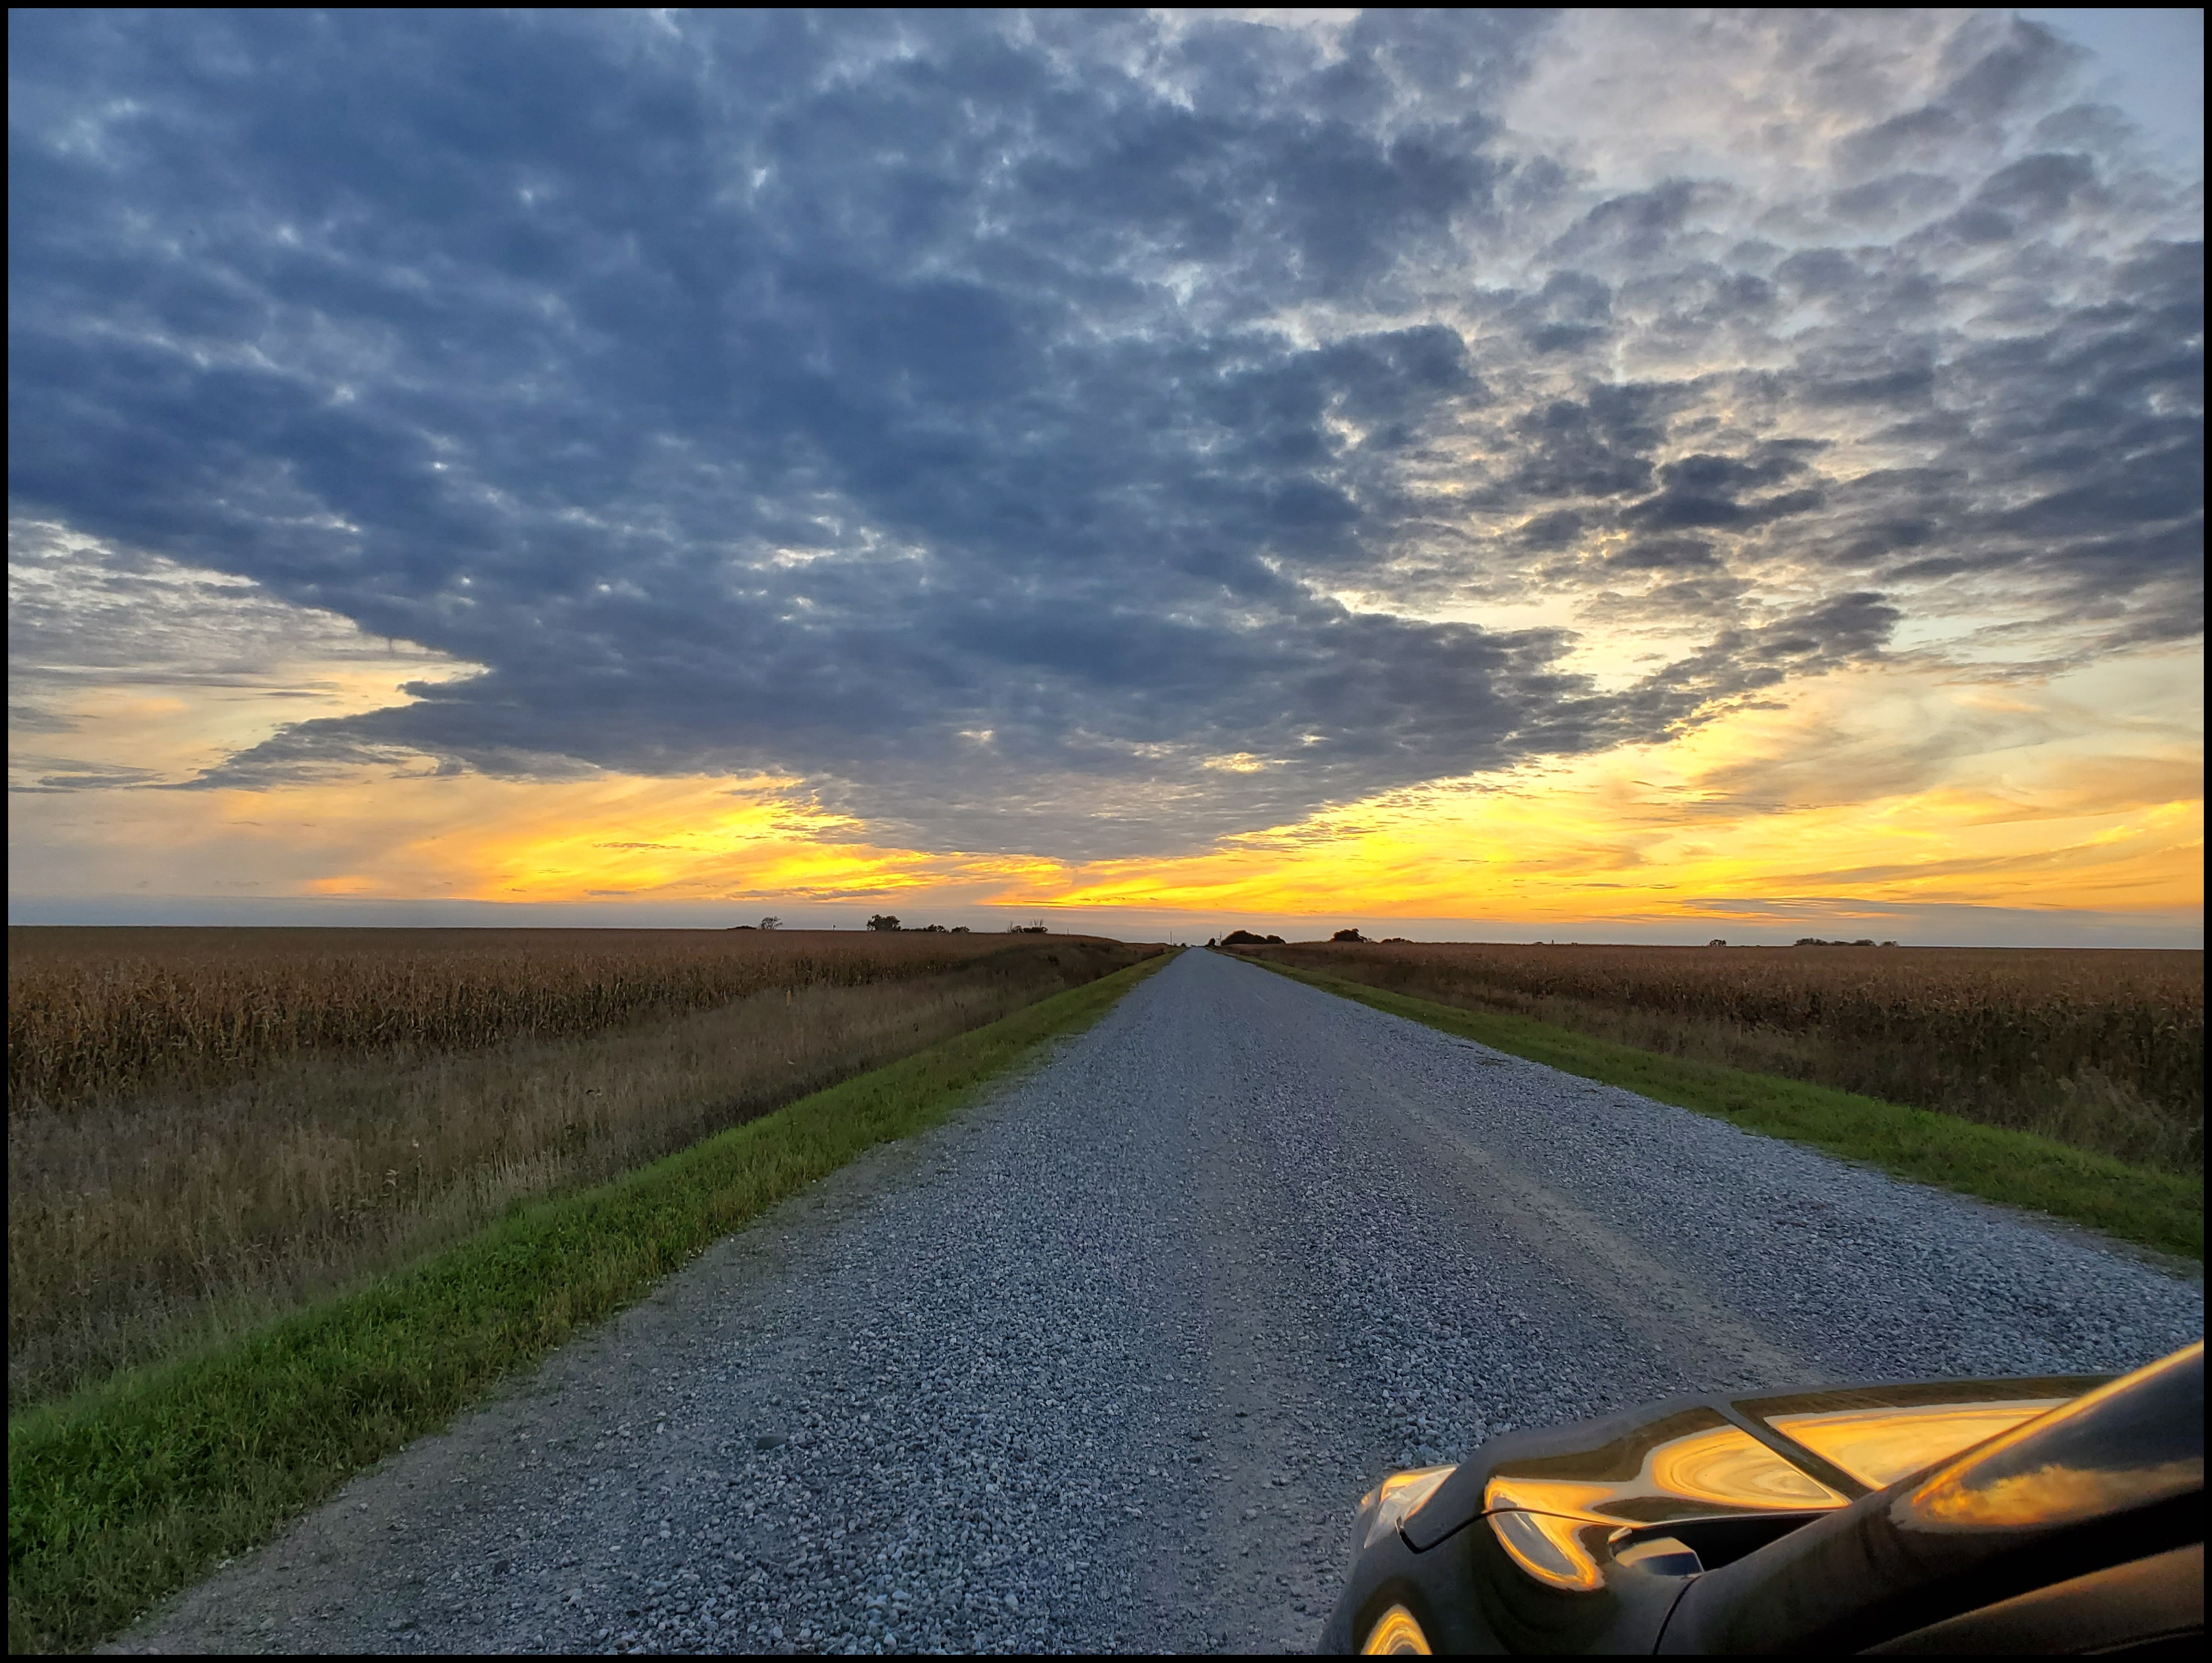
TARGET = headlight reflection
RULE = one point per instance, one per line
(1397, 1498)
(1397, 1635)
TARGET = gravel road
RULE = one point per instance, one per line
(1105, 1363)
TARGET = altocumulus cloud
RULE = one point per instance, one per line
(1096, 435)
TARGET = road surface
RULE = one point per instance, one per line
(1105, 1363)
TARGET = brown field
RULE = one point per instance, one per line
(2101, 1049)
(93, 1012)
(206, 1127)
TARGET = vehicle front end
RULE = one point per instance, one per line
(1585, 1538)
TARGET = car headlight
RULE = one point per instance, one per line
(1397, 1499)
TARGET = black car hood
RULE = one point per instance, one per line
(1906, 1516)
(1721, 1457)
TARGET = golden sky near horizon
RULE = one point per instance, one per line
(1899, 786)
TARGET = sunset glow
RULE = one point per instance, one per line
(1555, 512)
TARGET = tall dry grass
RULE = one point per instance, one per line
(2102, 1049)
(141, 1220)
(103, 1010)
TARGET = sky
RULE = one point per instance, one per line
(1601, 476)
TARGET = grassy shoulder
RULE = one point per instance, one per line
(133, 1489)
(2153, 1209)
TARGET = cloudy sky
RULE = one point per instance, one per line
(1614, 474)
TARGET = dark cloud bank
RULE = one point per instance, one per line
(1063, 434)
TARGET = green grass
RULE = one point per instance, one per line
(131, 1489)
(2155, 1209)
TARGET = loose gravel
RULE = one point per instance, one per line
(1105, 1363)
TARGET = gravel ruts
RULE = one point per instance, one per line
(1105, 1363)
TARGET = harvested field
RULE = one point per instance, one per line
(234, 1122)
(2104, 1050)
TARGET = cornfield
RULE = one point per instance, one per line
(207, 1128)
(96, 1012)
(2104, 1049)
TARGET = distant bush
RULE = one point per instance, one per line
(885, 921)
(1348, 935)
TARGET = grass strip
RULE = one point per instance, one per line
(131, 1489)
(2153, 1209)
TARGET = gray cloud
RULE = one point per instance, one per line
(1063, 433)
(34, 774)
(36, 718)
